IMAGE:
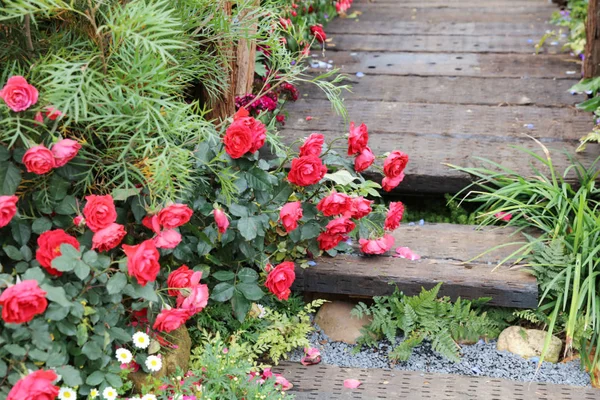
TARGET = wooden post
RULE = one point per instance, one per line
(591, 63)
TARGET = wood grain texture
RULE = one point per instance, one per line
(456, 64)
(446, 252)
(456, 90)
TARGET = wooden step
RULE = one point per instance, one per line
(447, 252)
(326, 382)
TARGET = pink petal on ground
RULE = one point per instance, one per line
(312, 356)
(351, 383)
(405, 252)
(504, 216)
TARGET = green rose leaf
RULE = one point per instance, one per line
(342, 177)
(56, 294)
(258, 179)
(21, 231)
(82, 270)
(13, 253)
(82, 334)
(238, 210)
(3, 368)
(38, 355)
(247, 275)
(56, 312)
(146, 292)
(10, 176)
(67, 206)
(92, 350)
(249, 226)
(15, 350)
(251, 291)
(95, 378)
(223, 275)
(240, 305)
(116, 283)
(114, 380)
(41, 225)
(222, 292)
(35, 273)
(310, 230)
(70, 375)
(124, 194)
(57, 188)
(4, 156)
(27, 254)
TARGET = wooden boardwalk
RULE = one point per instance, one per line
(448, 81)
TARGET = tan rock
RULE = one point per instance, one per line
(171, 359)
(336, 322)
(528, 343)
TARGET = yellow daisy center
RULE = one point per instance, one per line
(67, 395)
(153, 362)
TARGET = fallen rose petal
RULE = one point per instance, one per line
(504, 216)
(351, 383)
(312, 356)
(405, 252)
(284, 383)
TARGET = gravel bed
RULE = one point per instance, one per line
(480, 359)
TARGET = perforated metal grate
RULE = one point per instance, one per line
(325, 382)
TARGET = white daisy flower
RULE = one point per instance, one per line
(153, 363)
(124, 356)
(66, 393)
(94, 393)
(135, 398)
(109, 393)
(149, 397)
(262, 311)
(141, 340)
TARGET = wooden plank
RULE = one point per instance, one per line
(455, 3)
(436, 44)
(591, 64)
(448, 120)
(456, 90)
(532, 30)
(446, 251)
(456, 64)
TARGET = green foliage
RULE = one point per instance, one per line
(437, 210)
(563, 252)
(425, 317)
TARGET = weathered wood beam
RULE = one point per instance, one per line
(591, 63)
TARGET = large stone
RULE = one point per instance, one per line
(172, 358)
(336, 322)
(528, 343)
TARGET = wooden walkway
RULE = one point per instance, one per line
(448, 81)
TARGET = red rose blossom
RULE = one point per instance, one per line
(313, 145)
(394, 164)
(221, 220)
(49, 248)
(388, 184)
(306, 171)
(167, 239)
(39, 160)
(364, 159)
(376, 246)
(142, 261)
(318, 32)
(64, 151)
(238, 139)
(8, 209)
(257, 129)
(361, 207)
(394, 216)
(182, 278)
(99, 212)
(169, 320)
(18, 94)
(358, 139)
(335, 204)
(340, 226)
(35, 386)
(151, 222)
(195, 301)
(22, 302)
(280, 280)
(174, 216)
(108, 238)
(290, 214)
(53, 113)
(328, 241)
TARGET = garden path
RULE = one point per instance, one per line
(449, 81)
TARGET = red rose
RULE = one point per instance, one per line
(358, 139)
(23, 301)
(167, 239)
(394, 164)
(108, 238)
(388, 184)
(335, 204)
(182, 278)
(238, 139)
(394, 216)
(78, 221)
(328, 241)
(35, 386)
(313, 145)
(99, 212)
(306, 171)
(290, 214)
(364, 159)
(376, 246)
(280, 280)
(341, 6)
(8, 209)
(174, 216)
(151, 222)
(257, 128)
(318, 33)
(18, 94)
(221, 220)
(285, 23)
(39, 160)
(49, 248)
(169, 320)
(360, 207)
(53, 113)
(142, 261)
(340, 226)
(64, 151)
(195, 301)
(39, 119)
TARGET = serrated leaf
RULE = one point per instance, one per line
(67, 206)
(341, 177)
(247, 275)
(95, 378)
(92, 350)
(70, 375)
(124, 194)
(116, 283)
(82, 270)
(34, 273)
(223, 275)
(251, 291)
(222, 292)
(10, 176)
(13, 253)
(21, 231)
(258, 179)
(249, 227)
(56, 294)
(41, 225)
(240, 305)
(15, 350)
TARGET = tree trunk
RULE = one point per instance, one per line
(591, 63)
